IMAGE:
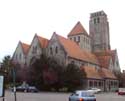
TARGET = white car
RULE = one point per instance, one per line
(121, 91)
(84, 95)
(95, 90)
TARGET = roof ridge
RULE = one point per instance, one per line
(41, 37)
(78, 29)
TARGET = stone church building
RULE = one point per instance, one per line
(91, 52)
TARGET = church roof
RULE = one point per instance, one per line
(43, 41)
(78, 29)
(106, 54)
(107, 74)
(91, 72)
(74, 51)
(104, 61)
(25, 47)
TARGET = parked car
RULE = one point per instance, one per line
(121, 91)
(95, 90)
(26, 89)
(22, 88)
(32, 89)
(84, 95)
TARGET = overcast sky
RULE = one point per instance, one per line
(21, 19)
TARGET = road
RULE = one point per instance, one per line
(45, 96)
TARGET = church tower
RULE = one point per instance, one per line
(79, 35)
(99, 31)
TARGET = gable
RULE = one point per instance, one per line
(34, 47)
(19, 55)
(107, 74)
(78, 29)
(56, 49)
(74, 51)
(55, 42)
(109, 53)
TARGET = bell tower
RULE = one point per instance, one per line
(99, 31)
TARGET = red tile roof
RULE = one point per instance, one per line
(105, 73)
(91, 72)
(25, 47)
(74, 51)
(43, 41)
(78, 29)
(111, 53)
(104, 61)
(105, 56)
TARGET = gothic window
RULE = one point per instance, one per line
(51, 52)
(78, 38)
(20, 56)
(84, 39)
(98, 20)
(56, 51)
(95, 21)
(34, 49)
(117, 63)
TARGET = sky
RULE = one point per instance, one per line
(21, 19)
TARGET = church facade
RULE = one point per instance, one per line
(91, 52)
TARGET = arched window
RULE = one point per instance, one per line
(56, 50)
(98, 20)
(51, 51)
(95, 21)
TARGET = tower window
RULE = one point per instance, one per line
(98, 20)
(95, 21)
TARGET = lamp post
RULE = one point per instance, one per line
(14, 83)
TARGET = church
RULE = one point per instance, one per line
(92, 51)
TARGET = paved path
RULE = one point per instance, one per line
(44, 96)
